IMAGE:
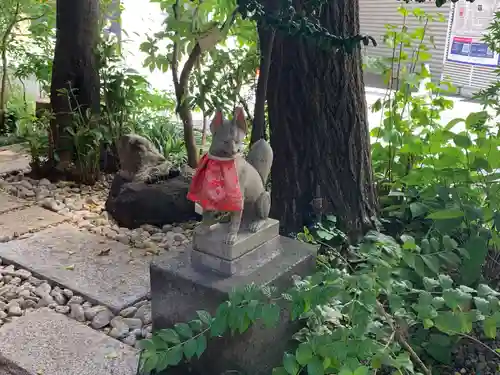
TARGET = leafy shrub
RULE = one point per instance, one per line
(437, 182)
(358, 316)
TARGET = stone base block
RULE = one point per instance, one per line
(244, 265)
(212, 242)
(178, 290)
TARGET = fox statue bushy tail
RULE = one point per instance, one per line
(250, 175)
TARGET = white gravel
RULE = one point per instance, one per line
(20, 292)
(84, 205)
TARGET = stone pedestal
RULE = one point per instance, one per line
(202, 278)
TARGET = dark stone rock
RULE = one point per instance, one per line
(133, 204)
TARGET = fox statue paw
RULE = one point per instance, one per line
(231, 238)
(255, 226)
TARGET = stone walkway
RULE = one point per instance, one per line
(71, 301)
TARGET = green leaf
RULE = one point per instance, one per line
(162, 362)
(377, 106)
(345, 371)
(445, 214)
(439, 347)
(190, 348)
(453, 122)
(290, 364)
(201, 345)
(219, 326)
(476, 119)
(183, 330)
(470, 270)
(462, 140)
(403, 361)
(363, 370)
(174, 355)
(304, 353)
(251, 309)
(430, 284)
(432, 262)
(449, 243)
(204, 317)
(445, 281)
(315, 367)
(438, 302)
(452, 259)
(484, 290)
(418, 209)
(169, 336)
(271, 314)
(482, 305)
(150, 363)
(455, 298)
(196, 325)
(490, 327)
(279, 371)
(147, 344)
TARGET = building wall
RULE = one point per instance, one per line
(374, 15)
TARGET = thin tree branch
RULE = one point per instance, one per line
(402, 341)
(174, 64)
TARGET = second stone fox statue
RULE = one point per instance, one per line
(226, 181)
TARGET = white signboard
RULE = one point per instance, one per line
(470, 23)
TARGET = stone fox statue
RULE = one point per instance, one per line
(227, 182)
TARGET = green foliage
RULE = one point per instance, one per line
(128, 103)
(168, 347)
(34, 132)
(88, 135)
(437, 182)
(167, 136)
(303, 23)
(24, 28)
(357, 316)
(218, 83)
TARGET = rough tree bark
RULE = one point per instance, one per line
(74, 68)
(319, 127)
(266, 38)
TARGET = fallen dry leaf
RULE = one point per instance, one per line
(104, 252)
(71, 267)
(111, 355)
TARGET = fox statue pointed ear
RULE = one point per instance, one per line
(239, 119)
(216, 122)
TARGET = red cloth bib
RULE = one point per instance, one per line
(215, 185)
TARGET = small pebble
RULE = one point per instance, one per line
(77, 312)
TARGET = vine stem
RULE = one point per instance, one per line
(402, 341)
(480, 343)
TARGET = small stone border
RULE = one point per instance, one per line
(21, 293)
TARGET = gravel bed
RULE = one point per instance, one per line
(21, 292)
(470, 357)
(84, 206)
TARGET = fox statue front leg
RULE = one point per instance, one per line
(262, 208)
(208, 218)
(234, 227)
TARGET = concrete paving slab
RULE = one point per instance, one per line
(13, 158)
(9, 202)
(45, 342)
(27, 220)
(71, 258)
